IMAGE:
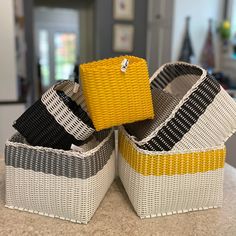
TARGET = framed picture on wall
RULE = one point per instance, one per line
(123, 9)
(123, 37)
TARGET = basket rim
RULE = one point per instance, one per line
(96, 65)
(130, 139)
(57, 87)
(78, 154)
(160, 69)
(51, 92)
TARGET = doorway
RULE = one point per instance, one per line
(63, 38)
(57, 43)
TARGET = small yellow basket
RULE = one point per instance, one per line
(117, 91)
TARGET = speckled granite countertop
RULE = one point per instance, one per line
(115, 216)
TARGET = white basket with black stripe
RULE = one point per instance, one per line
(192, 111)
(58, 119)
(64, 184)
(175, 162)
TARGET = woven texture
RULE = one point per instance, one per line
(64, 184)
(114, 97)
(56, 120)
(205, 115)
(164, 103)
(170, 182)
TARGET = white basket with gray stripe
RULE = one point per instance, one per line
(192, 111)
(63, 184)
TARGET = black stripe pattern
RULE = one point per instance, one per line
(75, 108)
(57, 162)
(185, 117)
(171, 72)
(40, 128)
(58, 129)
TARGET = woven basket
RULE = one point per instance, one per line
(114, 97)
(56, 120)
(165, 183)
(63, 184)
(192, 111)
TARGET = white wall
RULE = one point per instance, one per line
(8, 80)
(9, 113)
(200, 11)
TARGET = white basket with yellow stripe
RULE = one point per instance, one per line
(169, 182)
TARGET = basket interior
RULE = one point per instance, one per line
(177, 79)
(92, 142)
(168, 88)
(163, 103)
(18, 138)
(67, 87)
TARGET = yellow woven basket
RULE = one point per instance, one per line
(117, 92)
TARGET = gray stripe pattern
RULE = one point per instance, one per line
(57, 162)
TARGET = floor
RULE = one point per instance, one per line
(115, 216)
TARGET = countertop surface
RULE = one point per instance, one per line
(115, 216)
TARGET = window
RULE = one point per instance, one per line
(44, 57)
(65, 57)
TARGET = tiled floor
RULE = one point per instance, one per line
(115, 216)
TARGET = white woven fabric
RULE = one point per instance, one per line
(70, 199)
(154, 196)
(72, 124)
(87, 146)
(219, 117)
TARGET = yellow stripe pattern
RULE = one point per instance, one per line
(170, 164)
(113, 97)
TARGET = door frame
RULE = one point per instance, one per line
(159, 32)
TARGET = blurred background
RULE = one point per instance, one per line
(44, 41)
